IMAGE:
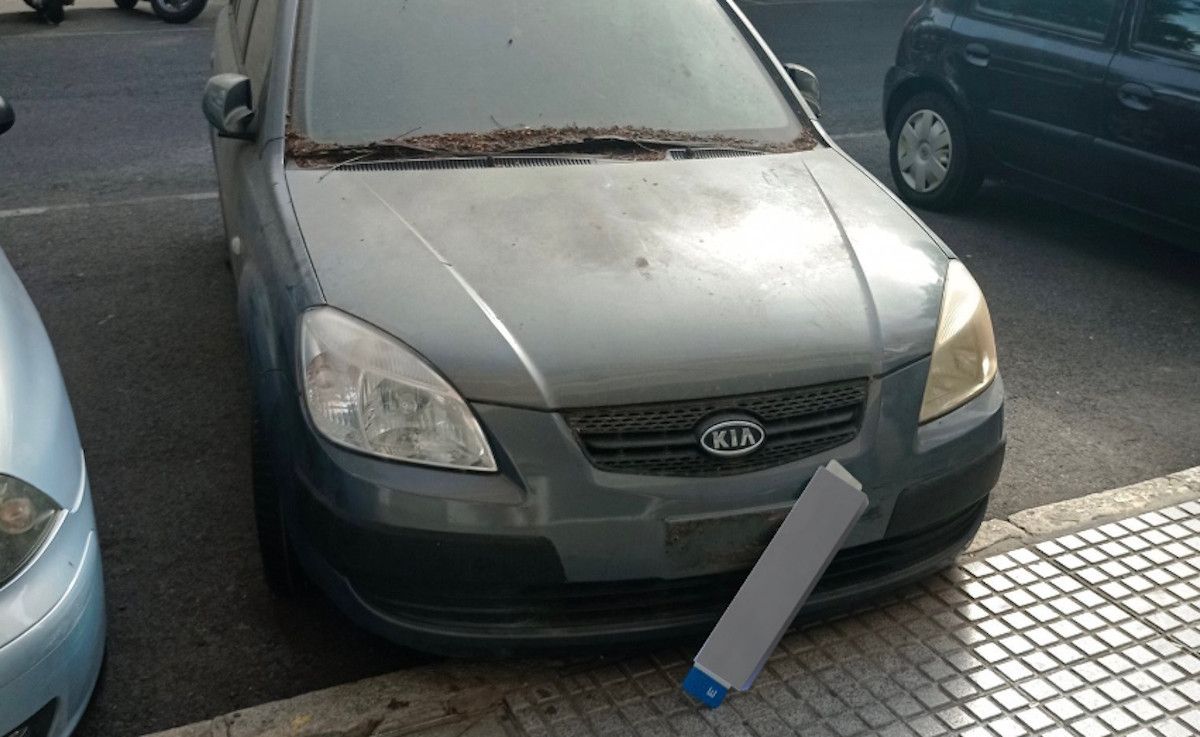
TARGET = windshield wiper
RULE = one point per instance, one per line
(490, 160)
(601, 144)
(619, 142)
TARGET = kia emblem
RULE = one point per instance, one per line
(729, 438)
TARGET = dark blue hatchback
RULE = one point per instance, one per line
(1093, 102)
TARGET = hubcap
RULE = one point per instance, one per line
(924, 150)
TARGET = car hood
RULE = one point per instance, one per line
(619, 283)
(38, 440)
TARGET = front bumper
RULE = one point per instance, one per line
(552, 552)
(48, 671)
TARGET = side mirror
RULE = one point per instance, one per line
(227, 105)
(7, 116)
(806, 82)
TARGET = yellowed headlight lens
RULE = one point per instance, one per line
(964, 352)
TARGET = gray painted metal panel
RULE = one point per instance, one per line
(620, 283)
(783, 578)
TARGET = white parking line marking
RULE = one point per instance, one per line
(21, 212)
(202, 196)
(76, 34)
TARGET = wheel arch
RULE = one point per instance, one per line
(914, 86)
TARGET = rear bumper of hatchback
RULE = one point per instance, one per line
(553, 553)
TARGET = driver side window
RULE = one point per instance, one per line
(1087, 18)
(1170, 25)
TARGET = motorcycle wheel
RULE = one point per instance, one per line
(178, 11)
(126, 4)
(52, 11)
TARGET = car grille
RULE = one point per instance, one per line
(649, 603)
(661, 439)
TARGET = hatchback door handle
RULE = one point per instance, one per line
(1136, 96)
(977, 54)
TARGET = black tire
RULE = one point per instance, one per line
(52, 11)
(962, 176)
(126, 4)
(281, 569)
(178, 11)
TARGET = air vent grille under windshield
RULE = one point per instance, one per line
(680, 154)
(472, 162)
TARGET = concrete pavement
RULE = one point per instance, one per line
(1088, 625)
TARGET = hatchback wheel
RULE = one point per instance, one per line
(178, 11)
(930, 153)
(280, 568)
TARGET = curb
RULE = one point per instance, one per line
(1050, 520)
(467, 699)
(449, 699)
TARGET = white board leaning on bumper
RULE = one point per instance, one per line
(778, 585)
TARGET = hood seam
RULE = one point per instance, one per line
(534, 373)
(860, 274)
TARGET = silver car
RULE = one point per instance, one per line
(52, 620)
(553, 308)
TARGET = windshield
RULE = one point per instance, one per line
(375, 71)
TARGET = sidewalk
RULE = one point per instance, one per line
(1087, 634)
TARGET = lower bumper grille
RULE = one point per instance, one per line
(641, 605)
(661, 439)
(37, 725)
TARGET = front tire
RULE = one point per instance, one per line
(126, 4)
(178, 11)
(52, 11)
(281, 569)
(933, 160)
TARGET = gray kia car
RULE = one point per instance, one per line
(552, 310)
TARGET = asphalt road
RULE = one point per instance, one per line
(1099, 331)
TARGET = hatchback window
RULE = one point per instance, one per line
(376, 70)
(1171, 25)
(1085, 17)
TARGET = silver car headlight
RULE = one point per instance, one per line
(366, 391)
(26, 521)
(964, 352)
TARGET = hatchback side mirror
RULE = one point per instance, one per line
(806, 82)
(7, 116)
(227, 105)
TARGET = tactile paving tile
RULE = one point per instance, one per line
(1091, 634)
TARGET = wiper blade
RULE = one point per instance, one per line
(617, 141)
(377, 150)
(343, 154)
(596, 144)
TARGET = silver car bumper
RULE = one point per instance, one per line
(49, 669)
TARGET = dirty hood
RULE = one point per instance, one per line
(615, 283)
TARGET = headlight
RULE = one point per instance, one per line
(26, 520)
(964, 352)
(366, 391)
